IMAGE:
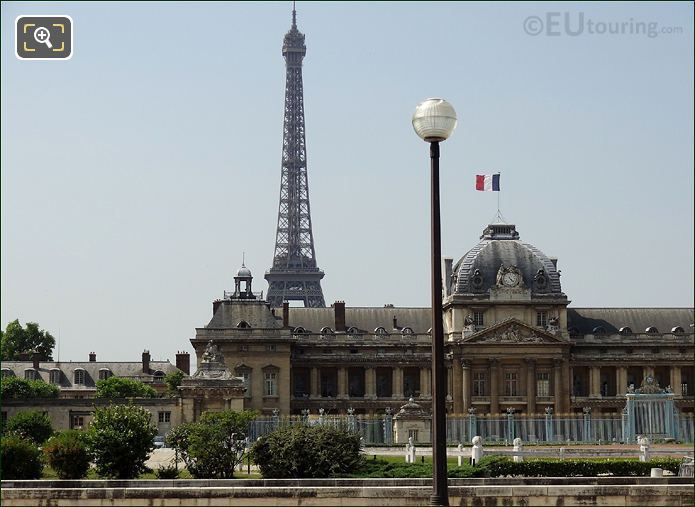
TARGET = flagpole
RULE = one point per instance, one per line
(498, 201)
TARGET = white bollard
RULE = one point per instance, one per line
(460, 454)
(657, 472)
(518, 447)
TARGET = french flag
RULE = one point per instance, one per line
(487, 182)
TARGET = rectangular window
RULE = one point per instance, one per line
(29, 374)
(246, 375)
(270, 384)
(104, 374)
(79, 377)
(413, 434)
(511, 383)
(542, 384)
(478, 320)
(271, 347)
(479, 381)
(55, 376)
(77, 422)
(541, 319)
(684, 388)
(164, 417)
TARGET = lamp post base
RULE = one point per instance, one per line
(439, 500)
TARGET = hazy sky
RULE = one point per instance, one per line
(136, 173)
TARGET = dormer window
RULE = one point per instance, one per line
(299, 330)
(677, 330)
(30, 374)
(599, 330)
(652, 330)
(407, 330)
(353, 331)
(54, 376)
(243, 325)
(104, 373)
(158, 377)
(326, 331)
(6, 372)
(79, 376)
(625, 331)
(380, 331)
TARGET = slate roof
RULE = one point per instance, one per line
(131, 369)
(364, 318)
(585, 320)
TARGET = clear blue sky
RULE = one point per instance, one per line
(135, 174)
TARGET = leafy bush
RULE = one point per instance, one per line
(214, 446)
(307, 451)
(67, 454)
(32, 425)
(119, 440)
(117, 387)
(13, 388)
(19, 459)
(167, 472)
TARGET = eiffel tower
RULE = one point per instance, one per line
(294, 275)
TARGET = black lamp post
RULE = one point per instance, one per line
(434, 121)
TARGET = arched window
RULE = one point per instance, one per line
(407, 330)
(677, 330)
(625, 331)
(104, 373)
(327, 331)
(299, 330)
(54, 376)
(79, 376)
(599, 330)
(381, 331)
(158, 377)
(353, 331)
(30, 374)
(243, 325)
(652, 330)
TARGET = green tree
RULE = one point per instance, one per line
(19, 459)
(307, 451)
(13, 388)
(119, 440)
(67, 454)
(173, 381)
(32, 425)
(117, 387)
(214, 446)
(17, 340)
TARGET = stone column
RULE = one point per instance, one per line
(557, 385)
(314, 387)
(457, 388)
(397, 382)
(530, 386)
(424, 382)
(493, 371)
(566, 386)
(342, 382)
(676, 380)
(620, 380)
(370, 382)
(594, 381)
(466, 385)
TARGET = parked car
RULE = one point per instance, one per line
(159, 442)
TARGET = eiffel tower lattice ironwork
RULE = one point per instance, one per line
(294, 275)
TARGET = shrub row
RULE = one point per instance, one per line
(502, 466)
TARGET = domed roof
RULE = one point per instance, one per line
(243, 272)
(476, 272)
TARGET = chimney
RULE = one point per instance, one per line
(215, 305)
(448, 268)
(395, 322)
(92, 357)
(286, 314)
(35, 359)
(145, 361)
(183, 362)
(339, 310)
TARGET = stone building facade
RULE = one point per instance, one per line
(511, 342)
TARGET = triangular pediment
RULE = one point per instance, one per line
(512, 331)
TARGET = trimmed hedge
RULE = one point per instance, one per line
(67, 454)
(19, 459)
(502, 466)
(31, 425)
(307, 452)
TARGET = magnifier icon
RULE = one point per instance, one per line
(43, 36)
